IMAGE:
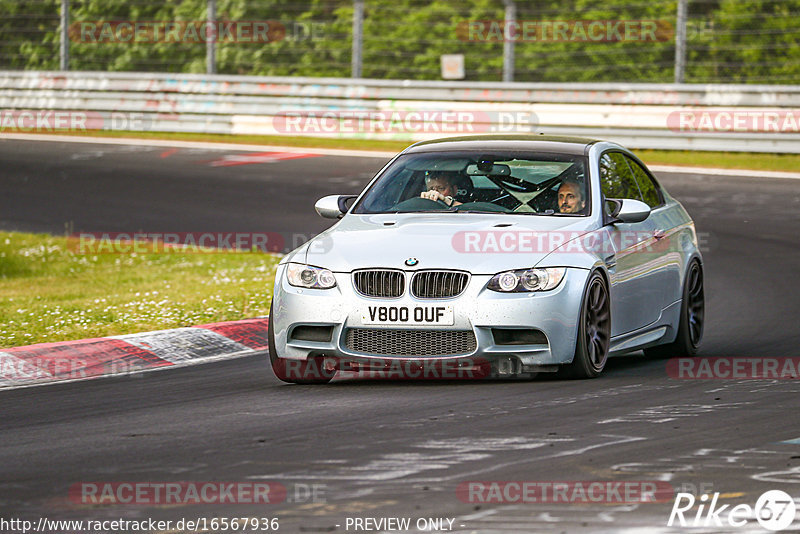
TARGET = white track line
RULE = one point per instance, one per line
(198, 144)
(724, 172)
(349, 153)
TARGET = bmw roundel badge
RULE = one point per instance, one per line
(412, 262)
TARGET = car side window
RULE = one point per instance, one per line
(616, 178)
(648, 188)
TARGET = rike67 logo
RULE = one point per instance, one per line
(774, 510)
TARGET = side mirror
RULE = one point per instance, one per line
(333, 206)
(628, 210)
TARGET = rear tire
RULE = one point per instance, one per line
(310, 371)
(594, 331)
(690, 326)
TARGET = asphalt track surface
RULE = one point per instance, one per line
(397, 448)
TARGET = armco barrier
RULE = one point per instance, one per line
(637, 115)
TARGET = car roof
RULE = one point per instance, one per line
(538, 143)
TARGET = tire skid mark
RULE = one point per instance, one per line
(444, 456)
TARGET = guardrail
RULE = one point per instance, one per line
(757, 118)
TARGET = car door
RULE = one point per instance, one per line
(636, 298)
(666, 258)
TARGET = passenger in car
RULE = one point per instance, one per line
(571, 198)
(441, 185)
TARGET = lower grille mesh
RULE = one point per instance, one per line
(410, 342)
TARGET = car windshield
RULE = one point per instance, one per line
(468, 182)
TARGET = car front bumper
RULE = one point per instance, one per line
(479, 310)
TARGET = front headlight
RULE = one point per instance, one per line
(310, 277)
(524, 280)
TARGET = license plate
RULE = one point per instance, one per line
(408, 315)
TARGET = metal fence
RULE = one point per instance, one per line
(667, 116)
(692, 41)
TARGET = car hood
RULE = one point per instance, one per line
(481, 244)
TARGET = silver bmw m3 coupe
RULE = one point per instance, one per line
(491, 256)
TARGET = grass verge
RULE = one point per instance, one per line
(52, 293)
(277, 140)
(724, 160)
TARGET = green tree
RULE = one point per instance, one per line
(749, 41)
(29, 34)
(133, 55)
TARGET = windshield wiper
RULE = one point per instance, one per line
(418, 211)
(482, 211)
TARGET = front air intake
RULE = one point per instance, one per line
(518, 336)
(410, 343)
(380, 283)
(438, 284)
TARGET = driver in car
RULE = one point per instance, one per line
(570, 196)
(441, 185)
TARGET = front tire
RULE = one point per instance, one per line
(690, 326)
(594, 331)
(310, 371)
